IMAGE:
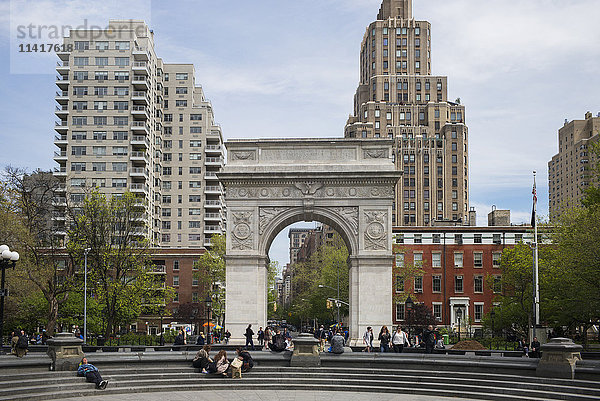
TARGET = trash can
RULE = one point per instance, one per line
(446, 338)
(100, 341)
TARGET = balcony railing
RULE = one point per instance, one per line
(63, 64)
(62, 153)
(213, 160)
(212, 203)
(141, 78)
(212, 228)
(139, 170)
(138, 108)
(213, 147)
(62, 94)
(140, 64)
(58, 138)
(140, 94)
(214, 188)
(142, 187)
(61, 123)
(62, 108)
(139, 154)
(62, 77)
(212, 215)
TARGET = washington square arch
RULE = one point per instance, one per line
(345, 183)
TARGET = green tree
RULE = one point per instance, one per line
(404, 273)
(576, 283)
(28, 199)
(516, 296)
(322, 268)
(120, 270)
(211, 273)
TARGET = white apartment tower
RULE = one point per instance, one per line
(127, 121)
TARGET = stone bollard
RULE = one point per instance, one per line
(65, 351)
(306, 351)
(559, 357)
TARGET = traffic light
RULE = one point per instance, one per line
(329, 304)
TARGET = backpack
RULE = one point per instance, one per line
(22, 342)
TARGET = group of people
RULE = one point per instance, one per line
(274, 339)
(220, 365)
(398, 340)
(19, 343)
(531, 350)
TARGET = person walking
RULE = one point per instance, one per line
(91, 374)
(399, 339)
(534, 348)
(261, 337)
(384, 339)
(429, 338)
(227, 335)
(22, 344)
(321, 336)
(268, 335)
(249, 333)
(368, 339)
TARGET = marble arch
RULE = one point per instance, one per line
(346, 183)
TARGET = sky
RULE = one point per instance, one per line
(290, 69)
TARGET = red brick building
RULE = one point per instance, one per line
(461, 267)
(176, 265)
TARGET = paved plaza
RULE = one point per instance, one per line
(263, 395)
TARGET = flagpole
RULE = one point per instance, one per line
(536, 301)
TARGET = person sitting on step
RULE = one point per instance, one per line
(91, 374)
(219, 365)
(202, 359)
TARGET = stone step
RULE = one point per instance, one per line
(395, 385)
(243, 385)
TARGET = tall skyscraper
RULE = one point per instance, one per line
(397, 97)
(569, 169)
(130, 122)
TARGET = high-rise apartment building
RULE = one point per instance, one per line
(397, 97)
(568, 171)
(130, 122)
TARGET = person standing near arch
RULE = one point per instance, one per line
(249, 333)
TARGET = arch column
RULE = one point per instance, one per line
(246, 295)
(370, 294)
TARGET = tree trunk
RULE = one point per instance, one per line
(52, 316)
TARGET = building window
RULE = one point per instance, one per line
(194, 297)
(458, 239)
(418, 259)
(478, 284)
(436, 284)
(458, 259)
(497, 284)
(181, 76)
(195, 279)
(477, 239)
(478, 312)
(496, 256)
(458, 284)
(436, 259)
(418, 238)
(497, 239)
(478, 259)
(399, 284)
(437, 311)
(99, 166)
(419, 284)
(175, 265)
(399, 311)
(399, 260)
(175, 281)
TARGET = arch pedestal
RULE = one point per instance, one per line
(347, 184)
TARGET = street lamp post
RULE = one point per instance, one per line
(7, 259)
(85, 253)
(337, 301)
(208, 302)
(492, 314)
(409, 305)
(459, 315)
